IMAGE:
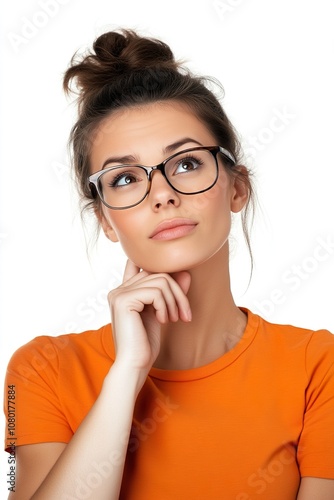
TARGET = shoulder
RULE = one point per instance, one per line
(295, 335)
(56, 381)
(312, 349)
(47, 353)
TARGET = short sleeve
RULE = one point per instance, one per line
(32, 375)
(316, 445)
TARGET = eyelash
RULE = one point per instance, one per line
(189, 158)
(119, 176)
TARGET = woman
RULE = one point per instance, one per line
(188, 395)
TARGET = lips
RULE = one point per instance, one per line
(173, 228)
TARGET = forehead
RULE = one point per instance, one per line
(145, 131)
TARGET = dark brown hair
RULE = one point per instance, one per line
(125, 69)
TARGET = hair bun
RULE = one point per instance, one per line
(130, 51)
(109, 45)
(114, 54)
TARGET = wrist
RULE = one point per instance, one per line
(126, 377)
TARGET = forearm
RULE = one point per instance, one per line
(94, 458)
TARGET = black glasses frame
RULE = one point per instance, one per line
(94, 185)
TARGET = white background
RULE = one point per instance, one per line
(273, 58)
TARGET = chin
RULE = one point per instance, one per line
(173, 260)
(172, 265)
(167, 269)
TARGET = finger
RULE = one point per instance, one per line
(145, 296)
(161, 283)
(182, 281)
(176, 300)
(131, 270)
(135, 280)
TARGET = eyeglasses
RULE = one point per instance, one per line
(191, 171)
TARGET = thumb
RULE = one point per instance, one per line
(183, 279)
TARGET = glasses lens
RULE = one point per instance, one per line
(192, 171)
(123, 186)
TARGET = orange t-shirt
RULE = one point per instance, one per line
(245, 426)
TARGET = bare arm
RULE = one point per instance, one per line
(91, 465)
(102, 438)
(33, 463)
(314, 488)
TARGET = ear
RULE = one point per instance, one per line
(106, 225)
(240, 188)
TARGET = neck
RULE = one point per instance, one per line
(217, 324)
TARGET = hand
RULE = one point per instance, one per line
(139, 307)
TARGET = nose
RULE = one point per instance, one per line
(161, 193)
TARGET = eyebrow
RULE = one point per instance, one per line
(172, 147)
(126, 159)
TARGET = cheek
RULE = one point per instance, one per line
(128, 227)
(215, 200)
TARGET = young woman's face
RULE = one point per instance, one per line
(146, 134)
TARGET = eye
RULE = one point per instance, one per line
(186, 165)
(120, 178)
